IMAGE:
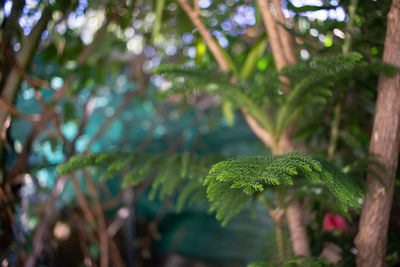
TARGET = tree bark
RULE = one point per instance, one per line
(284, 55)
(285, 37)
(295, 211)
(298, 232)
(273, 35)
(385, 145)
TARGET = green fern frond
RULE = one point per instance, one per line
(78, 162)
(189, 79)
(195, 80)
(312, 83)
(293, 262)
(179, 174)
(344, 189)
(319, 69)
(231, 183)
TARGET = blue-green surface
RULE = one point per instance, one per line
(193, 232)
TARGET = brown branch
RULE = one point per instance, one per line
(10, 23)
(15, 112)
(261, 133)
(39, 98)
(298, 232)
(88, 109)
(21, 162)
(334, 131)
(7, 206)
(43, 228)
(82, 226)
(23, 57)
(85, 234)
(273, 35)
(113, 202)
(87, 213)
(106, 242)
(208, 38)
(85, 251)
(101, 229)
(115, 255)
(57, 124)
(196, 7)
(223, 63)
(285, 37)
(4, 129)
(32, 81)
(284, 55)
(21, 165)
(107, 123)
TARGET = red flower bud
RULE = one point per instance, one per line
(333, 222)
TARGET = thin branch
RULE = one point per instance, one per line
(261, 133)
(88, 109)
(4, 129)
(334, 131)
(273, 35)
(21, 162)
(87, 213)
(21, 165)
(337, 112)
(101, 230)
(264, 135)
(32, 81)
(107, 123)
(39, 98)
(43, 228)
(15, 112)
(13, 79)
(285, 37)
(81, 225)
(208, 38)
(294, 211)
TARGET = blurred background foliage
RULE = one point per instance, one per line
(99, 57)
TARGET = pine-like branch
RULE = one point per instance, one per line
(231, 183)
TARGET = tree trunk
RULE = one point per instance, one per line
(284, 55)
(385, 145)
(297, 229)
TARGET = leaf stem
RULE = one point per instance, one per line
(266, 202)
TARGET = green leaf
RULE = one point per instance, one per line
(228, 111)
(228, 59)
(69, 111)
(230, 183)
(253, 56)
(201, 50)
(158, 20)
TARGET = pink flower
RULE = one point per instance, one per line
(333, 222)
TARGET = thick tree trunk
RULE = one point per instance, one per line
(385, 145)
